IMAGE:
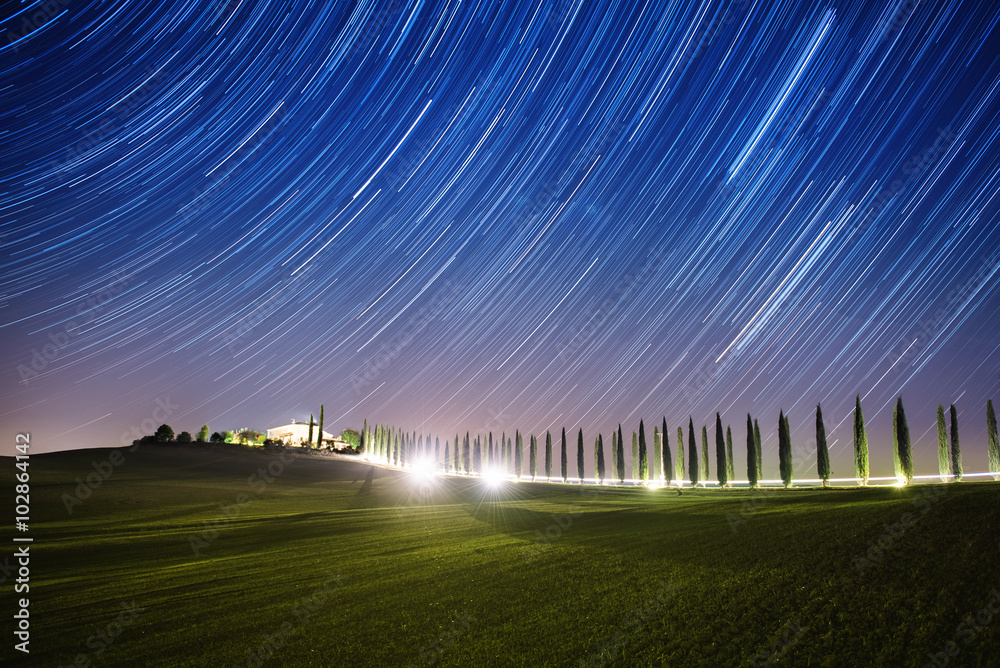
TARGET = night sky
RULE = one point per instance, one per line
(458, 216)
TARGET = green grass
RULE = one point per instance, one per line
(388, 576)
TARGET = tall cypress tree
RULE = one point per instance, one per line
(905, 448)
(668, 465)
(319, 436)
(446, 459)
(437, 451)
(992, 445)
(704, 453)
(579, 455)
(548, 455)
(563, 462)
(600, 459)
(751, 455)
(643, 457)
(310, 429)
(656, 473)
(533, 457)
(897, 472)
(822, 450)
(860, 444)
(465, 453)
(635, 458)
(620, 455)
(730, 467)
(518, 447)
(757, 451)
(720, 453)
(679, 470)
(784, 450)
(956, 452)
(477, 457)
(944, 460)
(490, 455)
(692, 454)
(614, 455)
(455, 456)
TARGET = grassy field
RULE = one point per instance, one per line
(223, 556)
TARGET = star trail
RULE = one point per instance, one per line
(458, 216)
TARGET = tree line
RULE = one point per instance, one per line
(663, 461)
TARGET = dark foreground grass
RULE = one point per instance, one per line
(188, 556)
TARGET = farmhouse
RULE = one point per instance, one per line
(297, 433)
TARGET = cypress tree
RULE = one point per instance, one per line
(720, 453)
(992, 445)
(657, 470)
(751, 454)
(956, 452)
(310, 429)
(548, 455)
(454, 455)
(692, 454)
(757, 450)
(319, 436)
(621, 456)
(504, 458)
(822, 451)
(730, 468)
(704, 454)
(533, 457)
(446, 462)
(944, 461)
(679, 471)
(600, 458)
(860, 444)
(635, 458)
(518, 447)
(490, 458)
(579, 455)
(395, 450)
(563, 463)
(465, 454)
(905, 448)
(897, 471)
(784, 450)
(437, 452)
(668, 465)
(597, 448)
(643, 457)
(477, 457)
(614, 455)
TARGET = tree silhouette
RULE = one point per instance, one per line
(860, 444)
(956, 451)
(720, 453)
(751, 454)
(643, 460)
(692, 454)
(822, 450)
(784, 450)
